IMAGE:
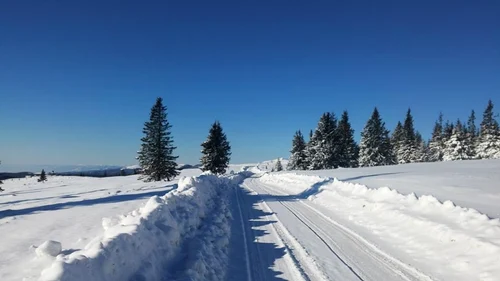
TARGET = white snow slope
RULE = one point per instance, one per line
(258, 225)
(67, 209)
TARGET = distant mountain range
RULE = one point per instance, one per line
(6, 168)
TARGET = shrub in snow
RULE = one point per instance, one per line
(49, 248)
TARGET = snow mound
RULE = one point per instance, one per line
(190, 223)
(49, 248)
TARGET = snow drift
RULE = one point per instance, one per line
(462, 240)
(183, 234)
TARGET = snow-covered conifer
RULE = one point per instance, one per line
(375, 147)
(156, 154)
(298, 157)
(488, 143)
(216, 151)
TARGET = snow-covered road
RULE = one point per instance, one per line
(288, 238)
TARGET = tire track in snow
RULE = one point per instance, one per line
(389, 262)
(245, 240)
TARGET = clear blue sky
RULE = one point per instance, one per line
(78, 78)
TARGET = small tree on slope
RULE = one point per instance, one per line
(278, 166)
(43, 176)
(156, 153)
(375, 147)
(488, 144)
(347, 149)
(298, 157)
(216, 151)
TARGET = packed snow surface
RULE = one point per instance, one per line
(432, 221)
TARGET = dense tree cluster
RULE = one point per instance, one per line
(332, 145)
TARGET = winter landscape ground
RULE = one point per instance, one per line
(426, 221)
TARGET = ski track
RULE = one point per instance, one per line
(342, 253)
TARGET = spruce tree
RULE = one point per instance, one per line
(471, 133)
(457, 147)
(488, 144)
(43, 176)
(407, 150)
(322, 149)
(298, 157)
(447, 130)
(422, 152)
(397, 140)
(216, 151)
(347, 150)
(156, 153)
(375, 147)
(436, 144)
(278, 166)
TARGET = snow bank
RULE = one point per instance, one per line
(182, 234)
(464, 241)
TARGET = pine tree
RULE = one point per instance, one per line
(407, 150)
(347, 149)
(216, 151)
(298, 157)
(322, 147)
(156, 154)
(457, 147)
(310, 134)
(278, 166)
(422, 148)
(43, 176)
(436, 144)
(397, 140)
(447, 131)
(488, 144)
(375, 146)
(471, 133)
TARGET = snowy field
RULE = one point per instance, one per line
(406, 222)
(66, 209)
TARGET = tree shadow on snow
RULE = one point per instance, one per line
(87, 202)
(262, 255)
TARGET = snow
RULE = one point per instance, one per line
(421, 221)
(471, 184)
(144, 244)
(446, 241)
(49, 248)
(69, 210)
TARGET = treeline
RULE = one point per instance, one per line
(331, 145)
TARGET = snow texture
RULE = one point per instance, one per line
(49, 248)
(448, 241)
(147, 243)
